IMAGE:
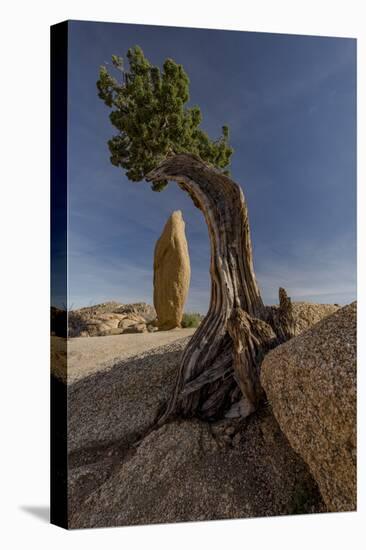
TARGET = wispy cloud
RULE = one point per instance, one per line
(95, 279)
(311, 272)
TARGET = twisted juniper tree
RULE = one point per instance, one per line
(159, 139)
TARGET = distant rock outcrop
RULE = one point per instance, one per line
(115, 318)
(310, 382)
(171, 273)
(111, 318)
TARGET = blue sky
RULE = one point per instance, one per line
(290, 103)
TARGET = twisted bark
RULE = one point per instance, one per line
(218, 374)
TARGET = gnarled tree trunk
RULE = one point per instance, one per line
(218, 374)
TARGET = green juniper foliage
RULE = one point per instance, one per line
(148, 109)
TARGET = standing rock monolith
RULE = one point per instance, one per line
(172, 273)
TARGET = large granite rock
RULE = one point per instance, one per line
(122, 473)
(171, 273)
(307, 314)
(190, 471)
(122, 403)
(310, 382)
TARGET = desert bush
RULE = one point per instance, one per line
(191, 320)
(76, 324)
(58, 321)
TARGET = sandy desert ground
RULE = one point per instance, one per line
(90, 355)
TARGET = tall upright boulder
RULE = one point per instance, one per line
(172, 273)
